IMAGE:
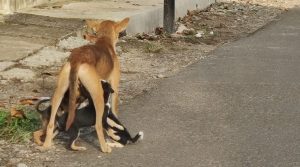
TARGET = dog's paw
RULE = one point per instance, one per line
(39, 143)
(106, 149)
(43, 148)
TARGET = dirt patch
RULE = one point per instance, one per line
(147, 58)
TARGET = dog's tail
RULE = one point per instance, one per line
(37, 107)
(139, 136)
(73, 88)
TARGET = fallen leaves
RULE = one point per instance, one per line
(29, 101)
(2, 104)
(17, 113)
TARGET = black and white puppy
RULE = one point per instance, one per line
(114, 128)
(86, 117)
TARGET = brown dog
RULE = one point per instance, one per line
(89, 64)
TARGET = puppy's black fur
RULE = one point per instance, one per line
(123, 136)
(86, 117)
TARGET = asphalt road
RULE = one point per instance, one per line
(239, 107)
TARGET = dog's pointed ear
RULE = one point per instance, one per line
(121, 25)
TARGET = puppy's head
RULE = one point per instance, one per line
(107, 87)
(107, 90)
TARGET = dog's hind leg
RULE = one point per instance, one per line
(90, 80)
(62, 86)
(115, 81)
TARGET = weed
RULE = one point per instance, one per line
(16, 130)
(153, 48)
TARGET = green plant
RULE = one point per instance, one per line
(17, 130)
(3, 116)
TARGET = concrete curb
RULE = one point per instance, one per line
(144, 17)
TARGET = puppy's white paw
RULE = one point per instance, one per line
(141, 133)
(115, 144)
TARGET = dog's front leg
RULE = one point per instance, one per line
(62, 86)
(90, 79)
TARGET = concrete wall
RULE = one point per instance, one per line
(5, 6)
(10, 6)
(144, 18)
(148, 20)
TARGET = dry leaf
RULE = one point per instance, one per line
(17, 113)
(2, 104)
(35, 91)
(29, 101)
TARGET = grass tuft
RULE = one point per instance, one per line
(153, 48)
(18, 130)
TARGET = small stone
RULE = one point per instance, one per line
(211, 33)
(199, 34)
(181, 28)
(160, 76)
(21, 165)
(119, 49)
(2, 142)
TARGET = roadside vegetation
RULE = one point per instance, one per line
(18, 128)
